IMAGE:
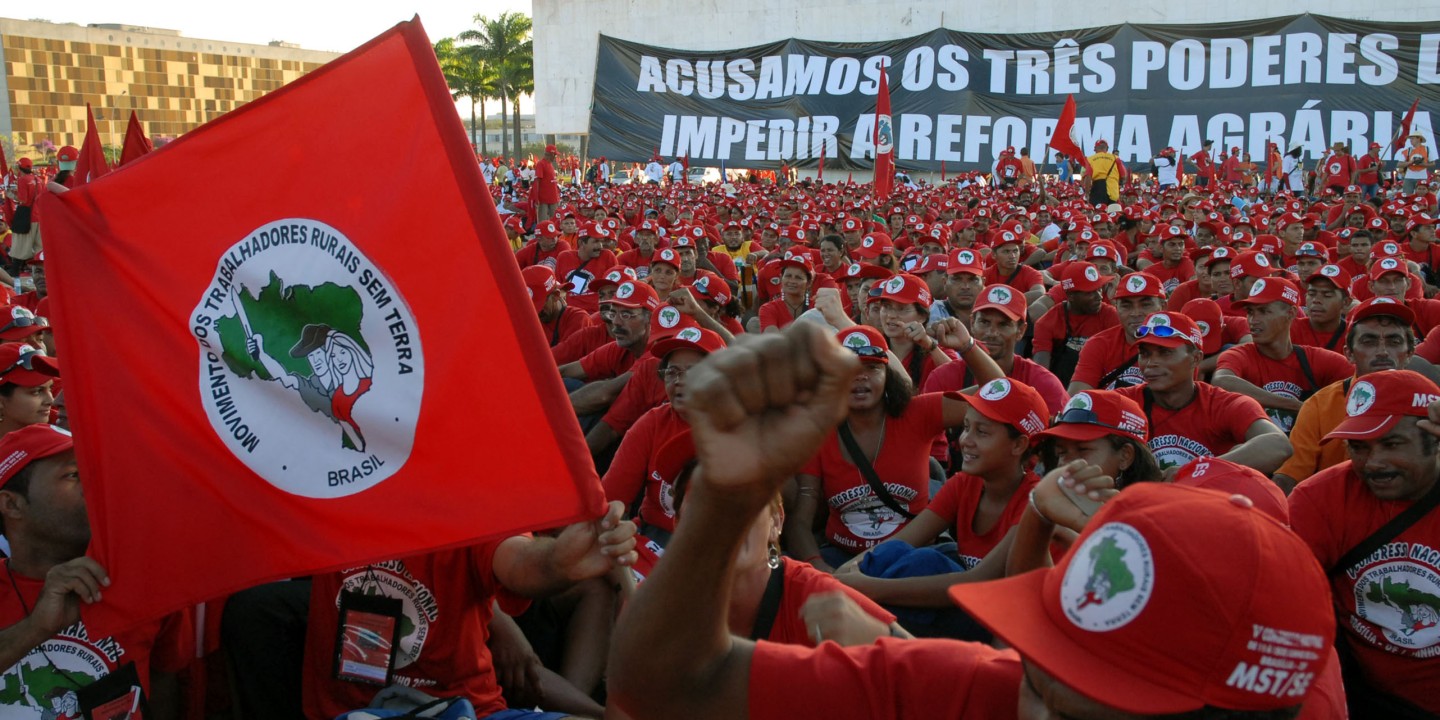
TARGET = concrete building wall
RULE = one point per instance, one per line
(567, 31)
(174, 83)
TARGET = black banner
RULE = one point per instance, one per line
(961, 98)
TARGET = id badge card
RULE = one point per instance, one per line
(366, 639)
(117, 696)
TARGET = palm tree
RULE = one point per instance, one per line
(518, 76)
(468, 76)
(503, 42)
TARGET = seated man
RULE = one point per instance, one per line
(1115, 630)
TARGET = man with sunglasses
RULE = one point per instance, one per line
(1191, 419)
(597, 379)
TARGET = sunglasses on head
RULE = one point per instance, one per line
(1159, 331)
(26, 361)
(21, 321)
(869, 351)
(1085, 416)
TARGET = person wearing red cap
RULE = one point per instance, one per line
(964, 279)
(1420, 246)
(664, 273)
(1112, 631)
(1390, 277)
(1174, 267)
(1191, 419)
(26, 190)
(647, 243)
(998, 322)
(26, 377)
(545, 249)
(891, 430)
(547, 185)
(1007, 270)
(1272, 369)
(49, 579)
(1105, 429)
(632, 475)
(1367, 171)
(904, 303)
(598, 333)
(1384, 573)
(1063, 331)
(558, 320)
(1247, 268)
(1108, 360)
(578, 269)
(1327, 300)
(634, 303)
(796, 276)
(1008, 169)
(1378, 338)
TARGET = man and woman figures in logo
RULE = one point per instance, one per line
(340, 373)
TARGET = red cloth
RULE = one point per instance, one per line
(1212, 424)
(447, 599)
(136, 144)
(951, 376)
(801, 581)
(775, 314)
(644, 391)
(888, 680)
(1339, 169)
(264, 244)
(1058, 324)
(1369, 167)
(1285, 377)
(1171, 278)
(578, 277)
(630, 472)
(548, 192)
(1106, 351)
(859, 520)
(1182, 293)
(609, 361)
(959, 500)
(1393, 636)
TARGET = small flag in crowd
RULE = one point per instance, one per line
(91, 164)
(136, 144)
(1064, 140)
(884, 140)
(313, 397)
(1399, 142)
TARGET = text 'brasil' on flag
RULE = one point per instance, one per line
(281, 363)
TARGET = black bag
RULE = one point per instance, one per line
(1064, 358)
(21, 222)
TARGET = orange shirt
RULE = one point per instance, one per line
(1317, 417)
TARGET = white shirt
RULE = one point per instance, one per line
(1165, 171)
(488, 171)
(677, 171)
(654, 172)
(1294, 171)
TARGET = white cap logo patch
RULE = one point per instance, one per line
(1389, 264)
(1330, 271)
(999, 295)
(1362, 396)
(1262, 261)
(625, 290)
(855, 340)
(1257, 288)
(869, 241)
(1158, 320)
(895, 284)
(853, 270)
(1101, 251)
(1136, 283)
(689, 335)
(995, 390)
(1204, 328)
(1110, 579)
(965, 257)
(1092, 274)
(669, 317)
(1081, 401)
(1380, 300)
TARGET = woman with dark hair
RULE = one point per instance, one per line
(796, 277)
(834, 256)
(26, 377)
(873, 474)
(1107, 430)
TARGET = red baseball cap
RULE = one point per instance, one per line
(1082, 277)
(931, 263)
(1169, 329)
(1382, 306)
(698, 339)
(874, 245)
(26, 366)
(613, 277)
(851, 225)
(906, 289)
(1142, 615)
(860, 271)
(1008, 402)
(1224, 476)
(865, 341)
(1102, 250)
(30, 443)
(709, 286)
(965, 260)
(1209, 320)
(1386, 249)
(666, 321)
(548, 229)
(1380, 400)
(1337, 275)
(1271, 289)
(796, 260)
(1007, 236)
(21, 323)
(539, 283)
(1251, 263)
(1007, 300)
(1388, 265)
(1139, 284)
(25, 163)
(1094, 414)
(666, 257)
(636, 294)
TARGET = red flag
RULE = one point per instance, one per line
(1398, 143)
(136, 144)
(91, 164)
(1064, 140)
(942, 171)
(315, 398)
(884, 140)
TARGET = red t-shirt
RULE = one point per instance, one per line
(640, 262)
(1025, 277)
(643, 392)
(447, 600)
(1338, 170)
(858, 519)
(586, 340)
(957, 503)
(1425, 256)
(1285, 377)
(1369, 167)
(801, 580)
(578, 276)
(631, 470)
(1429, 349)
(570, 321)
(549, 187)
(1303, 333)
(1181, 294)
(532, 254)
(609, 361)
(888, 680)
(166, 644)
(1060, 325)
(1212, 424)
(1171, 278)
(724, 265)
(951, 376)
(1009, 168)
(776, 314)
(1389, 603)
(1106, 351)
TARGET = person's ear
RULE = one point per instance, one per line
(12, 506)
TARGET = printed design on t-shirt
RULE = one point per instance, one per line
(1170, 285)
(866, 516)
(1130, 378)
(1176, 450)
(1110, 579)
(1400, 595)
(35, 689)
(1285, 419)
(419, 607)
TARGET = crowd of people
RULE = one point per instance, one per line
(1124, 446)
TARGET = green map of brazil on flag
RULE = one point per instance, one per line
(281, 361)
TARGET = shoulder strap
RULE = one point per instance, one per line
(1339, 333)
(1149, 405)
(1305, 367)
(1390, 530)
(1018, 268)
(867, 471)
(555, 334)
(769, 604)
(1115, 374)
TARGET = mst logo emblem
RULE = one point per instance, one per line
(311, 369)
